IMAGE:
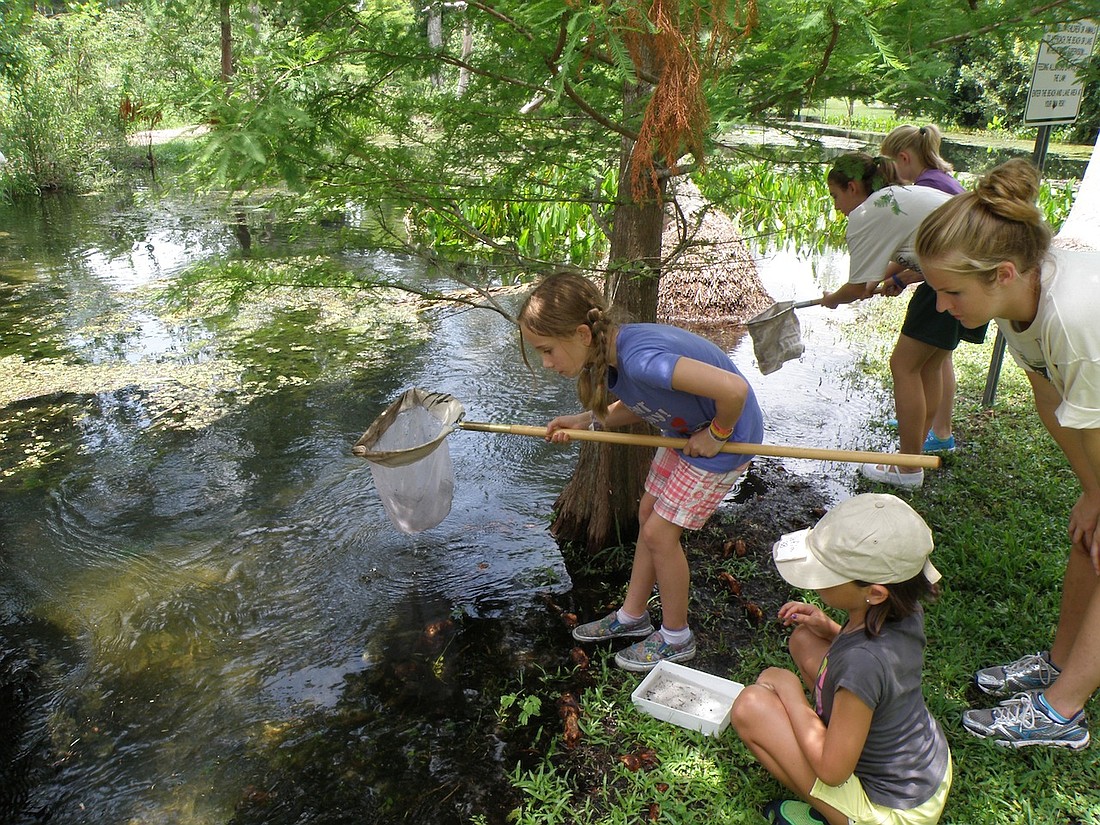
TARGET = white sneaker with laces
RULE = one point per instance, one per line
(890, 474)
(1021, 721)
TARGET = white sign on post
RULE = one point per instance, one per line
(1055, 94)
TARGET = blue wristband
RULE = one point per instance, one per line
(897, 281)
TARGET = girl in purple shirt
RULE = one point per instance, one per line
(674, 380)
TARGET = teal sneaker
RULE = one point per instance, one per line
(643, 656)
(935, 444)
(792, 812)
(932, 442)
(609, 627)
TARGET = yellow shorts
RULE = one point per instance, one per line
(851, 800)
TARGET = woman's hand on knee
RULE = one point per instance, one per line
(1083, 528)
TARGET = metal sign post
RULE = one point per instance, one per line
(1054, 99)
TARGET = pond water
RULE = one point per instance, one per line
(974, 155)
(206, 615)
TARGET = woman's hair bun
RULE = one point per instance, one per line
(1010, 191)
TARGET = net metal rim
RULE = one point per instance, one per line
(445, 407)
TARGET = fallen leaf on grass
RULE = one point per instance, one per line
(643, 759)
(570, 713)
(731, 582)
(579, 657)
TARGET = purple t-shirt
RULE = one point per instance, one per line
(646, 355)
(939, 179)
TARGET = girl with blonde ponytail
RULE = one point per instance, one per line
(916, 154)
(915, 151)
(988, 255)
(684, 385)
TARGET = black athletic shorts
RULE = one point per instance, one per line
(937, 329)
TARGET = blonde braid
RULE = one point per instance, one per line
(592, 383)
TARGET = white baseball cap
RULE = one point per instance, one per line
(873, 537)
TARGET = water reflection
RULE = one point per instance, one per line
(214, 605)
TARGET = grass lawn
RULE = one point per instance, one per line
(999, 509)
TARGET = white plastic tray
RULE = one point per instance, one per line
(687, 697)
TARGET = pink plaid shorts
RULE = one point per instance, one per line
(686, 495)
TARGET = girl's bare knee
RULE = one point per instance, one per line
(749, 707)
(661, 537)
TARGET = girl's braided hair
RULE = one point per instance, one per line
(561, 302)
(974, 232)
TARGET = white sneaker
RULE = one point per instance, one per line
(890, 474)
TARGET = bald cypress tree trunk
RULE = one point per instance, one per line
(599, 506)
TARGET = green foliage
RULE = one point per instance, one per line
(15, 17)
(541, 222)
(852, 114)
(526, 709)
(988, 83)
(693, 782)
(776, 205)
(52, 103)
(1056, 199)
(790, 205)
(64, 79)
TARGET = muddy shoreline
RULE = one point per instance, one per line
(736, 594)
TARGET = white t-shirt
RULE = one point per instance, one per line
(882, 229)
(1063, 342)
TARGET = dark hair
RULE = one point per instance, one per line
(903, 599)
(560, 303)
(872, 173)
